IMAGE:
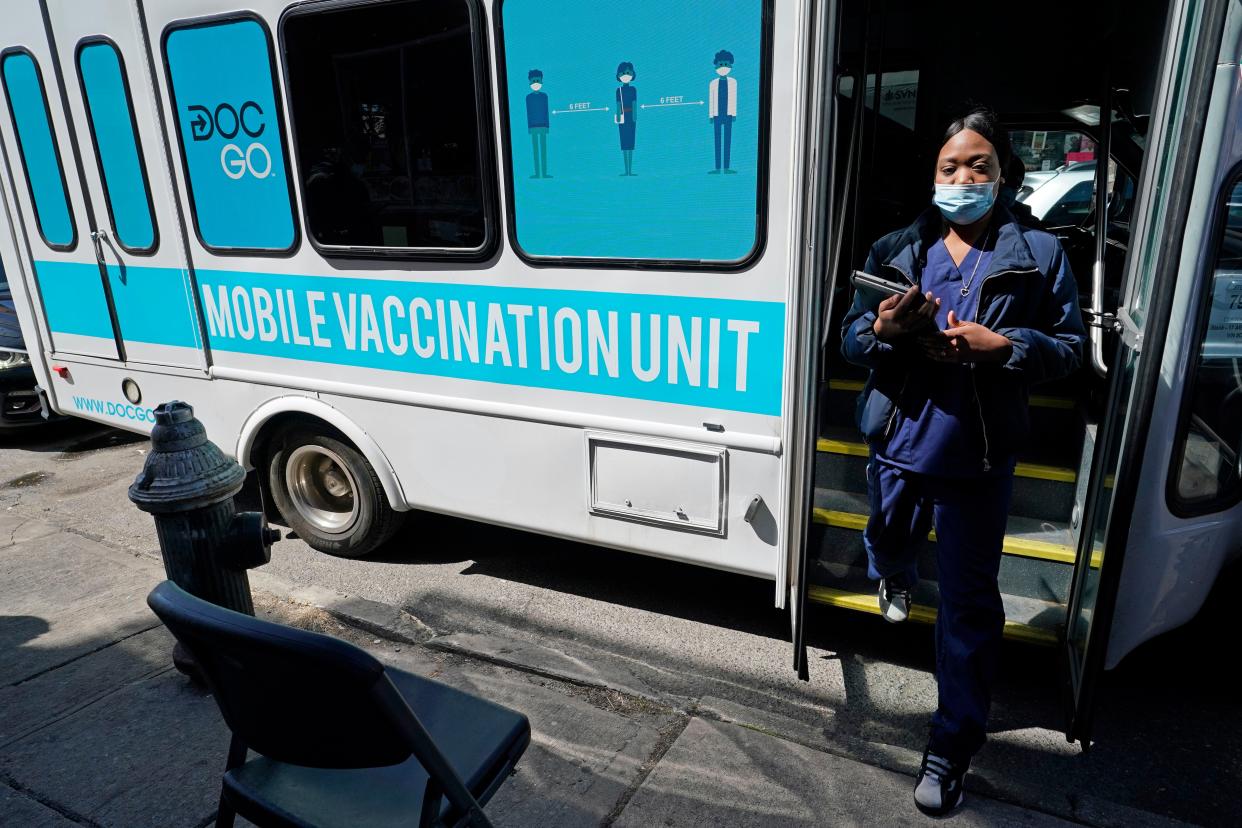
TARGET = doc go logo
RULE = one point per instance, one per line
(228, 122)
(131, 412)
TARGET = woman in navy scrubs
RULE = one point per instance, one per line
(992, 309)
(627, 114)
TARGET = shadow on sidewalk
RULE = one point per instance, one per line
(1165, 713)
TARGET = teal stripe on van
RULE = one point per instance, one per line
(153, 304)
(73, 298)
(699, 351)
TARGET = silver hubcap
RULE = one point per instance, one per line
(322, 489)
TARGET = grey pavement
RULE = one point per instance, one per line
(660, 694)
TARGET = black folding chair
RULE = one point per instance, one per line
(340, 739)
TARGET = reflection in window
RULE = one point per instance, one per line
(635, 130)
(899, 95)
(1212, 435)
(384, 101)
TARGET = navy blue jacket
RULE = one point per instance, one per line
(536, 110)
(1028, 295)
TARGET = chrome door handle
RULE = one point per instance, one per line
(98, 237)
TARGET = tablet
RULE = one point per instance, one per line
(876, 284)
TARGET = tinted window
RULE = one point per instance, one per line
(110, 111)
(37, 147)
(1212, 431)
(635, 130)
(220, 74)
(385, 107)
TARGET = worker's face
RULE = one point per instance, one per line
(626, 78)
(536, 85)
(723, 69)
(967, 158)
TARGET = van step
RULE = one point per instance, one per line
(1042, 540)
(1026, 619)
(1038, 561)
(1041, 491)
(1056, 422)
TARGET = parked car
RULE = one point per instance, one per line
(1063, 198)
(19, 401)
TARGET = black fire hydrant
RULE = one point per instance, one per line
(188, 485)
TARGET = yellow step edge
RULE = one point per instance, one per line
(1037, 400)
(926, 615)
(1032, 470)
(1018, 547)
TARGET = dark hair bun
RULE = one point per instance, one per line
(985, 121)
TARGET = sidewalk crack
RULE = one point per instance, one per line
(22, 790)
(80, 656)
(668, 735)
(66, 714)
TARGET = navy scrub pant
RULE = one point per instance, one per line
(723, 123)
(969, 515)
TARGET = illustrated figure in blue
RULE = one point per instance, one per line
(722, 109)
(626, 118)
(537, 122)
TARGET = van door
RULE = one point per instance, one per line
(138, 238)
(1142, 325)
(55, 215)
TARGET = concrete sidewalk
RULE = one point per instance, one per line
(96, 728)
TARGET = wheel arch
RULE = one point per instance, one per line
(273, 415)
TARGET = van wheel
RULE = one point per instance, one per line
(329, 494)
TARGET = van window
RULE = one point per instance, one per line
(36, 145)
(232, 142)
(1210, 438)
(636, 132)
(389, 127)
(110, 114)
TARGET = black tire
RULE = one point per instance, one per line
(330, 465)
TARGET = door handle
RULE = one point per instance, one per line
(99, 238)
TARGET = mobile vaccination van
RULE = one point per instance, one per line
(578, 268)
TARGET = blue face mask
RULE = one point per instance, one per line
(965, 203)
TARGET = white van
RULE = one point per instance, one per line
(575, 268)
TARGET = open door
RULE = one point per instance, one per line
(817, 219)
(1192, 44)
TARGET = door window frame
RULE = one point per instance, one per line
(486, 134)
(94, 40)
(72, 245)
(1198, 322)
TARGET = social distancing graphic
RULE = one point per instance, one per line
(635, 131)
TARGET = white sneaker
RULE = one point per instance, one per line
(894, 603)
(939, 786)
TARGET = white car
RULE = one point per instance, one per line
(1061, 198)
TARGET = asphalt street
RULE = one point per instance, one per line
(1169, 734)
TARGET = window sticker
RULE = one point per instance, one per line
(221, 79)
(635, 131)
(37, 146)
